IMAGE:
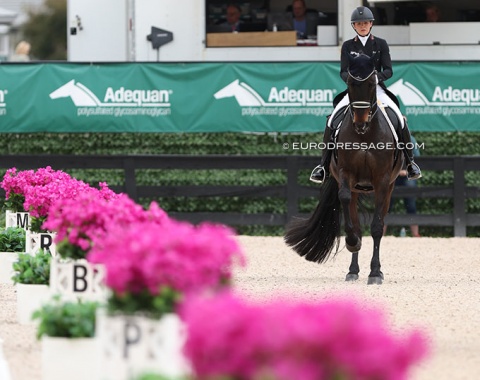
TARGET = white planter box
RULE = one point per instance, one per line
(77, 279)
(35, 241)
(30, 298)
(17, 219)
(4, 368)
(6, 266)
(69, 358)
(133, 345)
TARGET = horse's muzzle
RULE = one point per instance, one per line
(361, 116)
(361, 128)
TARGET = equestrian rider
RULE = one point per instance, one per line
(366, 43)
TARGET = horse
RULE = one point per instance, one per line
(366, 160)
(81, 96)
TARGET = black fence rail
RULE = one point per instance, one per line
(292, 190)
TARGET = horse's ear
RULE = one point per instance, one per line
(351, 59)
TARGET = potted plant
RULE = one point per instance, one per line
(13, 185)
(229, 337)
(31, 276)
(4, 368)
(150, 269)
(66, 330)
(49, 187)
(12, 241)
(81, 223)
(34, 191)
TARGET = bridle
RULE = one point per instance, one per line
(361, 104)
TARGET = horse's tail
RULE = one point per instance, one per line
(315, 238)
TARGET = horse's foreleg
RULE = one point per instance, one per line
(376, 275)
(354, 268)
(352, 240)
(382, 201)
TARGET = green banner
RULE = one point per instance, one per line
(219, 97)
(439, 96)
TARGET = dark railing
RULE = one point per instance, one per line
(292, 191)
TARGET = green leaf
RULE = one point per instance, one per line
(12, 239)
(32, 269)
(66, 319)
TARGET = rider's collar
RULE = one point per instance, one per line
(364, 40)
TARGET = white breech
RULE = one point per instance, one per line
(381, 95)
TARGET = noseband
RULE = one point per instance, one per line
(361, 104)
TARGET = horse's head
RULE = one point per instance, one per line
(362, 84)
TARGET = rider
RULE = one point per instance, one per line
(366, 43)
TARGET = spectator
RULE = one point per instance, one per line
(233, 17)
(432, 13)
(304, 22)
(22, 52)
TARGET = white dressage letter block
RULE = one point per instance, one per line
(77, 279)
(135, 344)
(34, 242)
(17, 219)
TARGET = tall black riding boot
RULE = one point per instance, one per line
(413, 170)
(321, 172)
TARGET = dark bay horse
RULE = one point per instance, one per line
(366, 160)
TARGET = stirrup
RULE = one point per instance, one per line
(318, 174)
(413, 171)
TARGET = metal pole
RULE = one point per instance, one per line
(131, 52)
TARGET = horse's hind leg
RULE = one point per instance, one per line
(352, 240)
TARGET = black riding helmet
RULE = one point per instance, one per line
(362, 14)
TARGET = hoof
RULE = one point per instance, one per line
(351, 277)
(377, 280)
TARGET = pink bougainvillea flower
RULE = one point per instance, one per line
(228, 337)
(42, 187)
(85, 219)
(146, 256)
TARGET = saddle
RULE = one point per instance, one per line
(340, 115)
(390, 113)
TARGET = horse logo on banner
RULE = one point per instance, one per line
(80, 95)
(408, 93)
(243, 94)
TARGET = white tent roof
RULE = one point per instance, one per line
(19, 8)
(7, 16)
